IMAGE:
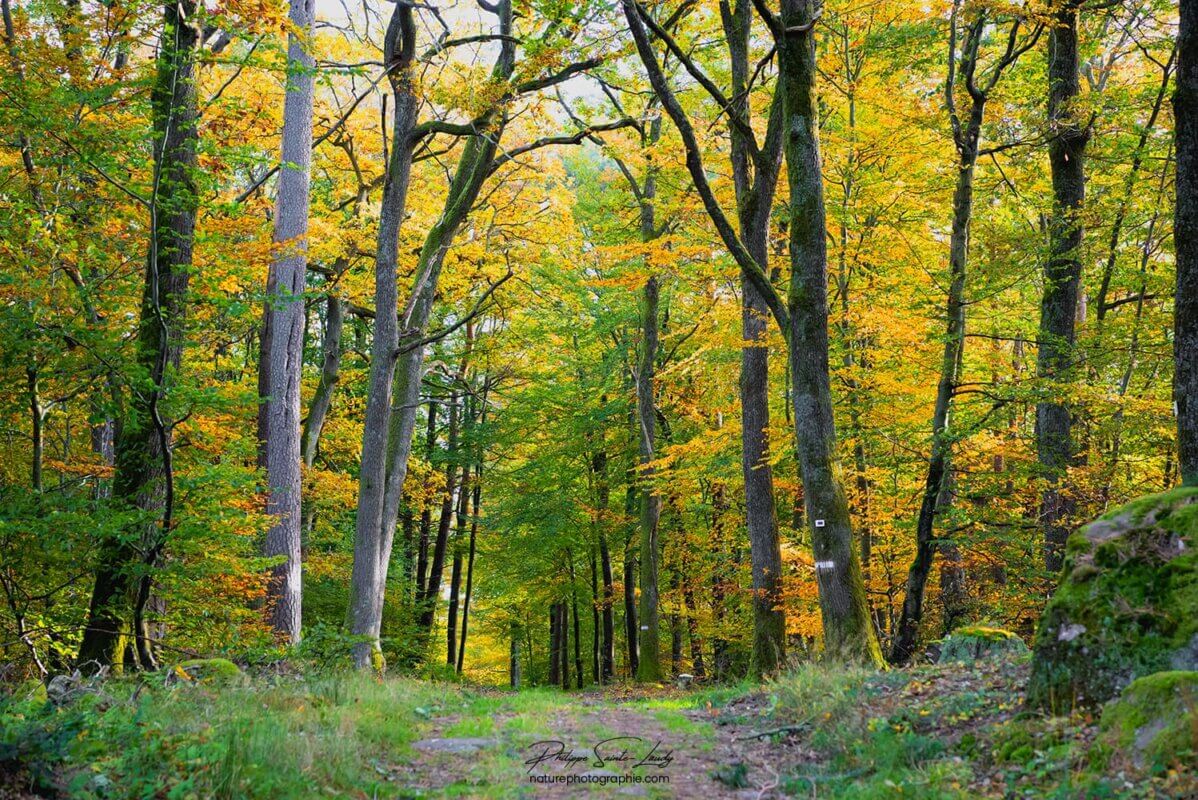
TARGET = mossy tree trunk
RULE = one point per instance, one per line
(144, 477)
(848, 630)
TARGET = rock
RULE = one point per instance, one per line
(64, 689)
(684, 680)
(978, 643)
(207, 671)
(458, 745)
(1154, 721)
(1127, 605)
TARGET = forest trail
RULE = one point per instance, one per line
(643, 744)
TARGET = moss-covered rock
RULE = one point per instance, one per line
(208, 671)
(979, 643)
(1127, 605)
(1154, 721)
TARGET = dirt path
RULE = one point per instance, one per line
(594, 745)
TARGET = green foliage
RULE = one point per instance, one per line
(326, 649)
(233, 741)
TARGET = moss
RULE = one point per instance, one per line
(1127, 605)
(1155, 720)
(1017, 741)
(32, 689)
(211, 671)
(974, 642)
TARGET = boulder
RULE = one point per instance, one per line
(1155, 721)
(979, 643)
(1127, 605)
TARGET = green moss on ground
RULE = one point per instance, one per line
(210, 671)
(1127, 605)
(974, 642)
(1154, 721)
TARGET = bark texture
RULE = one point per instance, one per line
(371, 552)
(755, 179)
(1062, 279)
(283, 335)
(1185, 237)
(848, 631)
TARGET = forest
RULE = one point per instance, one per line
(521, 398)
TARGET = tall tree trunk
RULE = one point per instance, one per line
(563, 628)
(649, 666)
(393, 439)
(630, 621)
(607, 658)
(283, 335)
(692, 632)
(451, 625)
(1062, 279)
(596, 601)
(555, 644)
(608, 598)
(1185, 239)
(720, 661)
(478, 476)
(578, 673)
(514, 658)
(144, 473)
(907, 634)
(426, 514)
(755, 189)
(436, 571)
(848, 630)
(371, 555)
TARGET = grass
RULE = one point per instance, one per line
(928, 732)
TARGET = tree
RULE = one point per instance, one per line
(1062, 276)
(144, 471)
(966, 111)
(1185, 237)
(372, 550)
(755, 168)
(848, 631)
(281, 361)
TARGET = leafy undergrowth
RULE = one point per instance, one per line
(946, 731)
(950, 731)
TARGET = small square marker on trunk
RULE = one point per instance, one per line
(819, 523)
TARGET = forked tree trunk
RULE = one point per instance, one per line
(755, 183)
(371, 555)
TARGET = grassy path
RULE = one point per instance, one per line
(664, 744)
